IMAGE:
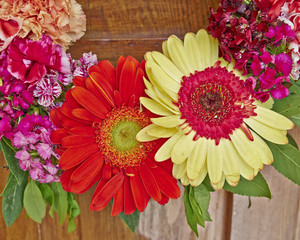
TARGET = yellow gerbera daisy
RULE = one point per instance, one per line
(209, 116)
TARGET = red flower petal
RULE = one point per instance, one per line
(139, 193)
(76, 141)
(58, 134)
(118, 204)
(83, 131)
(127, 79)
(103, 195)
(79, 81)
(106, 174)
(129, 205)
(109, 71)
(84, 114)
(149, 182)
(166, 183)
(89, 101)
(73, 156)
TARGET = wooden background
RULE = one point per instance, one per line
(122, 27)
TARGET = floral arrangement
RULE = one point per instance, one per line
(208, 113)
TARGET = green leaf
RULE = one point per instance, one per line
(286, 161)
(296, 119)
(202, 196)
(189, 212)
(292, 141)
(48, 195)
(290, 105)
(73, 211)
(60, 201)
(13, 163)
(132, 221)
(196, 208)
(207, 184)
(12, 203)
(33, 202)
(258, 187)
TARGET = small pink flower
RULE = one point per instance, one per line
(44, 150)
(47, 90)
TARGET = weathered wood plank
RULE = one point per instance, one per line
(116, 19)
(169, 221)
(274, 219)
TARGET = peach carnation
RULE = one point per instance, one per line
(63, 20)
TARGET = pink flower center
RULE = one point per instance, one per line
(214, 102)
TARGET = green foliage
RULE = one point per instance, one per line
(132, 221)
(290, 105)
(13, 163)
(12, 203)
(196, 201)
(48, 195)
(33, 202)
(73, 211)
(60, 204)
(296, 119)
(286, 160)
(258, 187)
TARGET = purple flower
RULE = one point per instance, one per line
(279, 91)
(267, 78)
(47, 90)
(284, 64)
(256, 65)
(52, 169)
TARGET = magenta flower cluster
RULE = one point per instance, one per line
(259, 48)
(35, 150)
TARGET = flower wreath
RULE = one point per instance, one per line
(209, 111)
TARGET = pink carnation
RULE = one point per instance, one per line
(29, 60)
(62, 20)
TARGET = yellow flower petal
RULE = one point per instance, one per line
(155, 107)
(263, 149)
(161, 132)
(220, 184)
(192, 51)
(165, 49)
(214, 50)
(178, 55)
(246, 148)
(142, 136)
(179, 170)
(164, 152)
(215, 161)
(199, 179)
(204, 48)
(272, 119)
(184, 180)
(168, 122)
(148, 56)
(197, 158)
(271, 134)
(168, 66)
(165, 103)
(231, 161)
(164, 80)
(183, 148)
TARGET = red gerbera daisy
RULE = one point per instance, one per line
(98, 124)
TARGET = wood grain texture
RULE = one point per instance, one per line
(275, 219)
